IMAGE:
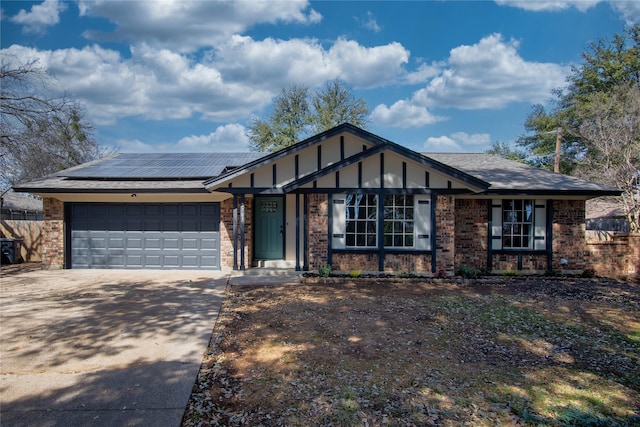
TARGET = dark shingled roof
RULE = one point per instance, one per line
(186, 173)
(508, 175)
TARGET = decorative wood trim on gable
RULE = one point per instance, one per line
(377, 145)
(332, 168)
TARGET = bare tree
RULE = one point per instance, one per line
(40, 133)
(609, 125)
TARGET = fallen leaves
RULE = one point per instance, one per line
(422, 353)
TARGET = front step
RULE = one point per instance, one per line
(275, 263)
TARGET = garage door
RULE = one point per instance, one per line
(145, 235)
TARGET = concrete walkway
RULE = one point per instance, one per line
(103, 347)
(264, 276)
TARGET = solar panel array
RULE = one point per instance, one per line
(162, 166)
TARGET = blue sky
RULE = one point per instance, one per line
(187, 76)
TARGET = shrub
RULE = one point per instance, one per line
(325, 271)
(467, 271)
(355, 274)
(588, 273)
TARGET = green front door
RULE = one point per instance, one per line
(269, 228)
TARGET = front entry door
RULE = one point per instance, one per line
(269, 228)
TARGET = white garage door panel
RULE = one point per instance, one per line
(124, 235)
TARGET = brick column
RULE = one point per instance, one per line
(53, 233)
(226, 232)
(569, 240)
(445, 233)
(318, 224)
(471, 233)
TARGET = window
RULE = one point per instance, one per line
(517, 224)
(398, 221)
(405, 221)
(361, 220)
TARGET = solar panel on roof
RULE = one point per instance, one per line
(162, 165)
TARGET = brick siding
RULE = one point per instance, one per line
(472, 232)
(226, 233)
(569, 240)
(393, 262)
(615, 255)
(318, 225)
(52, 233)
(445, 233)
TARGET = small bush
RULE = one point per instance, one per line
(588, 273)
(408, 275)
(510, 273)
(325, 271)
(355, 274)
(467, 272)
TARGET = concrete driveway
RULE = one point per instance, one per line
(103, 347)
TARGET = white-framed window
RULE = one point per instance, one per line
(399, 230)
(406, 221)
(518, 224)
(361, 220)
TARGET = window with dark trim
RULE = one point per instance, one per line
(517, 224)
(398, 221)
(405, 221)
(361, 220)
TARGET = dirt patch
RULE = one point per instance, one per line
(13, 269)
(516, 352)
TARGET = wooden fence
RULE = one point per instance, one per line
(30, 234)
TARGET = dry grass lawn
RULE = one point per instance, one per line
(546, 352)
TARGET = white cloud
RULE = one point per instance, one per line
(236, 80)
(490, 75)
(403, 114)
(423, 73)
(549, 6)
(458, 142)
(369, 22)
(473, 139)
(227, 138)
(273, 64)
(487, 75)
(186, 26)
(441, 143)
(135, 146)
(630, 10)
(41, 16)
(153, 84)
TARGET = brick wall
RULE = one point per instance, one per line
(318, 235)
(226, 233)
(615, 255)
(530, 262)
(348, 262)
(407, 263)
(418, 263)
(52, 233)
(471, 233)
(569, 241)
(445, 233)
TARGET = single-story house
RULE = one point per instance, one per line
(345, 198)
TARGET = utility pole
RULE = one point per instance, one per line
(556, 164)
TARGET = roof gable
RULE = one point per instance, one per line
(325, 154)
